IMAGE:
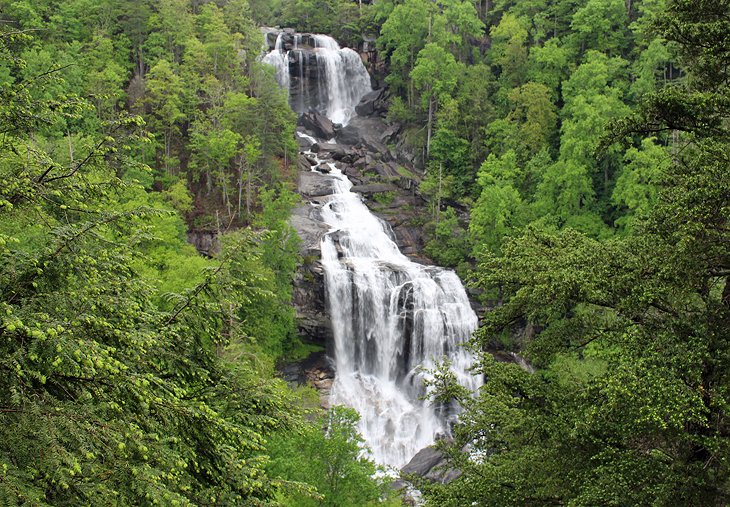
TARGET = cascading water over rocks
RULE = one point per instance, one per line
(393, 319)
(319, 75)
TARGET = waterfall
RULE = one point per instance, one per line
(280, 61)
(393, 320)
(319, 75)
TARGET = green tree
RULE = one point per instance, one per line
(548, 65)
(629, 334)
(110, 391)
(164, 90)
(509, 49)
(327, 455)
(500, 209)
(636, 186)
(600, 25)
(434, 76)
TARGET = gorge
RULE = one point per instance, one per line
(392, 320)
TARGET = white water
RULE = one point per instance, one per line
(279, 59)
(333, 86)
(392, 318)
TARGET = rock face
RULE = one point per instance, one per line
(316, 370)
(372, 103)
(205, 242)
(320, 125)
(430, 463)
(313, 323)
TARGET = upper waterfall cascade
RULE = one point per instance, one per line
(319, 75)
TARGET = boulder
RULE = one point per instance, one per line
(322, 127)
(304, 142)
(336, 151)
(430, 463)
(370, 131)
(371, 103)
(311, 161)
(312, 184)
(303, 163)
(390, 134)
(348, 135)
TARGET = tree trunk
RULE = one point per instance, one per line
(438, 200)
(248, 189)
(240, 186)
(430, 127)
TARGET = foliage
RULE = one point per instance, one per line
(327, 454)
(629, 403)
(130, 375)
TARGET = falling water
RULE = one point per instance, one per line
(280, 61)
(319, 75)
(393, 320)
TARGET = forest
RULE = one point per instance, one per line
(573, 163)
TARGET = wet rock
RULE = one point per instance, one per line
(304, 142)
(305, 221)
(430, 463)
(335, 151)
(373, 188)
(303, 163)
(320, 125)
(371, 103)
(348, 135)
(312, 184)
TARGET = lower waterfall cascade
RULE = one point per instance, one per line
(393, 320)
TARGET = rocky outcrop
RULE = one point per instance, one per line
(372, 103)
(374, 188)
(504, 356)
(313, 184)
(316, 370)
(205, 242)
(430, 463)
(320, 125)
(313, 323)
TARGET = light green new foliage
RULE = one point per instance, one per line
(636, 186)
(326, 454)
(112, 392)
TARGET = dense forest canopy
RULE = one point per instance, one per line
(574, 163)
